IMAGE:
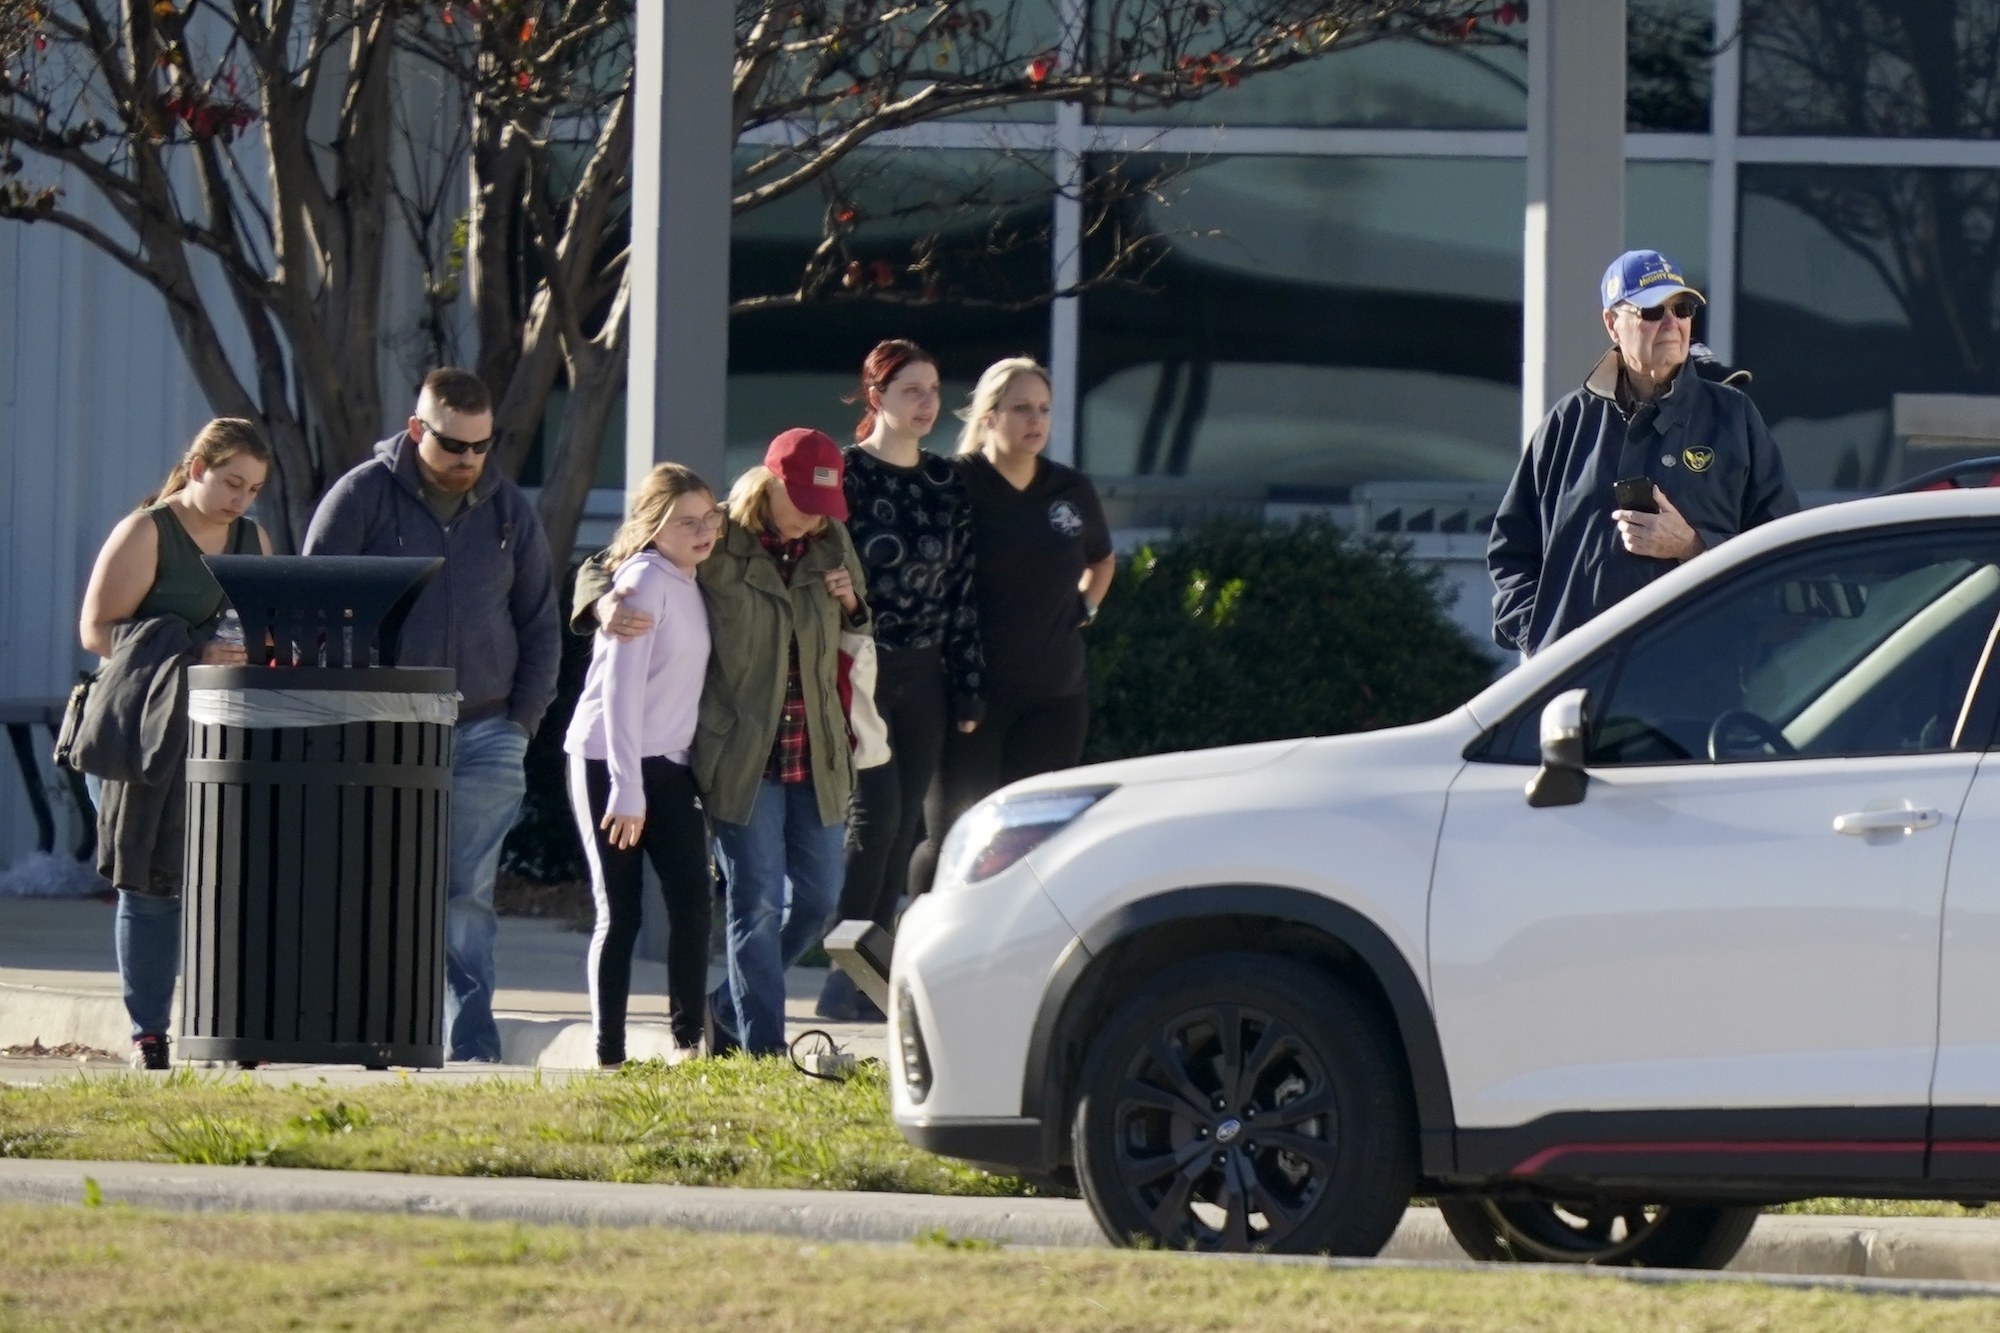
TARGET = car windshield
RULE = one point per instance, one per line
(1864, 649)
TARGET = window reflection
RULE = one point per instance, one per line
(1857, 284)
(1314, 323)
(1410, 85)
(1877, 68)
(949, 247)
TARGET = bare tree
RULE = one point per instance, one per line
(258, 156)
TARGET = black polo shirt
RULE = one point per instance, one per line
(1031, 548)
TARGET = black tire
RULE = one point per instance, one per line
(1308, 1148)
(1610, 1232)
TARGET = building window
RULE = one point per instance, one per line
(1858, 283)
(949, 247)
(1312, 323)
(1872, 68)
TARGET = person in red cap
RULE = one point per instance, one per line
(771, 753)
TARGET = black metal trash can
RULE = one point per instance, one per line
(319, 822)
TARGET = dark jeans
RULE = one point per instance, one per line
(148, 936)
(783, 871)
(675, 840)
(889, 798)
(1017, 740)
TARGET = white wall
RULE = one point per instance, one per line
(95, 404)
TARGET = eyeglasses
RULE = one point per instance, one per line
(451, 446)
(708, 522)
(1681, 307)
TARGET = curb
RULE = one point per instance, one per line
(1901, 1249)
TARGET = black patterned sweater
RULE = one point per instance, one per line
(912, 527)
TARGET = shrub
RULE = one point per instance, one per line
(1238, 632)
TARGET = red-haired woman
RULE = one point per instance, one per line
(912, 527)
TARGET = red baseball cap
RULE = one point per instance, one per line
(810, 465)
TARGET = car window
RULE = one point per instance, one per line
(1861, 647)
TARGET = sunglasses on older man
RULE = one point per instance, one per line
(1681, 307)
(451, 446)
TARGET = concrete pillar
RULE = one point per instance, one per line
(680, 238)
(1576, 192)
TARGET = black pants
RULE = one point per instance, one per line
(675, 839)
(889, 798)
(1015, 741)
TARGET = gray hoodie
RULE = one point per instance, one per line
(490, 614)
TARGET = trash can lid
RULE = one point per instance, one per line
(357, 602)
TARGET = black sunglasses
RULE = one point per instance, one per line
(1681, 307)
(451, 446)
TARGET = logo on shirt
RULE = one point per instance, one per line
(1064, 518)
(1697, 457)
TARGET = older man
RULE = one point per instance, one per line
(1699, 465)
(491, 616)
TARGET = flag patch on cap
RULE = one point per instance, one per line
(825, 476)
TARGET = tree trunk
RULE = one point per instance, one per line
(596, 378)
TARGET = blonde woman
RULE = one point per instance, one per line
(771, 750)
(150, 568)
(629, 743)
(1043, 564)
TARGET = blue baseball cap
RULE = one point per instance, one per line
(1644, 278)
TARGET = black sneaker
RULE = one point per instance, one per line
(149, 1051)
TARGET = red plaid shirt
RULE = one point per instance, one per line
(791, 755)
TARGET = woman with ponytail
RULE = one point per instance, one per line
(151, 567)
(912, 527)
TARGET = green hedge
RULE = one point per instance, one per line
(1231, 633)
(1240, 631)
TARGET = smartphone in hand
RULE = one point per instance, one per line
(1635, 494)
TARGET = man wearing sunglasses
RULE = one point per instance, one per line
(490, 615)
(1696, 463)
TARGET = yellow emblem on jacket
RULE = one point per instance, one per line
(1697, 457)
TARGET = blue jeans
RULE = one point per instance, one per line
(783, 840)
(488, 781)
(148, 935)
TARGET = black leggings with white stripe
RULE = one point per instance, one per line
(675, 839)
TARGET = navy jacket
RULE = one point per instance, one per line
(490, 614)
(1555, 556)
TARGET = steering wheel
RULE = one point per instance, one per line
(1743, 723)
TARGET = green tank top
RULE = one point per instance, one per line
(184, 586)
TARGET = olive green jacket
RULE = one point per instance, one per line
(752, 617)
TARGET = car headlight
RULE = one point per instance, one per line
(998, 832)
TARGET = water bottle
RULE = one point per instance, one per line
(230, 631)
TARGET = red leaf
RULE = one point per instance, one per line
(844, 216)
(522, 81)
(1040, 68)
(527, 29)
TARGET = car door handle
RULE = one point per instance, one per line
(1886, 821)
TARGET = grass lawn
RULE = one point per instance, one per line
(709, 1122)
(738, 1121)
(114, 1267)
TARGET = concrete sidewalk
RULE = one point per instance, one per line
(1903, 1249)
(59, 984)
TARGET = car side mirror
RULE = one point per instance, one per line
(1561, 779)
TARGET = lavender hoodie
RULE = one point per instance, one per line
(640, 696)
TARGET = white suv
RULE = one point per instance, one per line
(1697, 911)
